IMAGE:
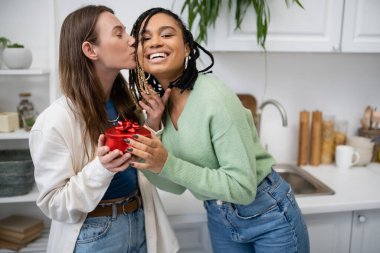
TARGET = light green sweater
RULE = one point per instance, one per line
(216, 152)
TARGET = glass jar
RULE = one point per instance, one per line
(24, 108)
(327, 151)
(340, 133)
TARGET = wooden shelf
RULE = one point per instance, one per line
(20, 134)
(23, 72)
(30, 197)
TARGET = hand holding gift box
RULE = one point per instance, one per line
(115, 136)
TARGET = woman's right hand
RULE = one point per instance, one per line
(115, 160)
(151, 150)
(154, 105)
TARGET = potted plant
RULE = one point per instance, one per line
(16, 56)
(4, 42)
(206, 12)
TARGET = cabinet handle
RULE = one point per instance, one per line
(361, 218)
(336, 48)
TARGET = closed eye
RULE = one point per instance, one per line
(168, 35)
(119, 31)
(145, 38)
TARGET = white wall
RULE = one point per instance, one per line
(337, 84)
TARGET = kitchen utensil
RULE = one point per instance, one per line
(364, 146)
(303, 138)
(316, 138)
(250, 103)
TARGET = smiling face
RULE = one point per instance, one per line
(114, 46)
(164, 50)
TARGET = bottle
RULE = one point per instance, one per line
(24, 107)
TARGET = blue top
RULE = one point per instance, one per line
(123, 183)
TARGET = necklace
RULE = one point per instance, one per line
(114, 120)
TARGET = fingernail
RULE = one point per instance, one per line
(127, 140)
(130, 149)
(135, 136)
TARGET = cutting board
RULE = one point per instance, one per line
(250, 103)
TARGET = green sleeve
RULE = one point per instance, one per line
(163, 183)
(234, 181)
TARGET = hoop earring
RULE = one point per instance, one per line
(147, 78)
(186, 61)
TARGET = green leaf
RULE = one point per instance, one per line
(4, 42)
(207, 12)
(15, 45)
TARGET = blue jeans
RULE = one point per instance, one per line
(124, 233)
(271, 223)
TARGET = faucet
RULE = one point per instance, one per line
(280, 108)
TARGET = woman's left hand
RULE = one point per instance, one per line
(151, 150)
(154, 105)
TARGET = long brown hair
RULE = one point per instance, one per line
(79, 80)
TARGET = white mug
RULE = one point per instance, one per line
(346, 156)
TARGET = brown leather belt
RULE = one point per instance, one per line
(122, 205)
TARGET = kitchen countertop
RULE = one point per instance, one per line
(357, 188)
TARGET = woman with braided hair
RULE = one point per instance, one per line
(209, 145)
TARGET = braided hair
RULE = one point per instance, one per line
(187, 80)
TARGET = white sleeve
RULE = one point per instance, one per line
(66, 193)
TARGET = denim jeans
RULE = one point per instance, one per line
(124, 233)
(271, 223)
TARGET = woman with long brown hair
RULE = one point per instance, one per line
(96, 201)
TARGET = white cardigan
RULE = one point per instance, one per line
(70, 186)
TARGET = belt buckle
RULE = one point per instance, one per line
(130, 199)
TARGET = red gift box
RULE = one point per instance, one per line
(115, 136)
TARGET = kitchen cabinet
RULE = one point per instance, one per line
(365, 235)
(355, 231)
(315, 28)
(322, 26)
(192, 233)
(340, 232)
(329, 232)
(361, 26)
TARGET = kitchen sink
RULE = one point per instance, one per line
(301, 181)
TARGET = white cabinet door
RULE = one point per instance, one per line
(361, 26)
(365, 232)
(329, 232)
(192, 233)
(317, 28)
